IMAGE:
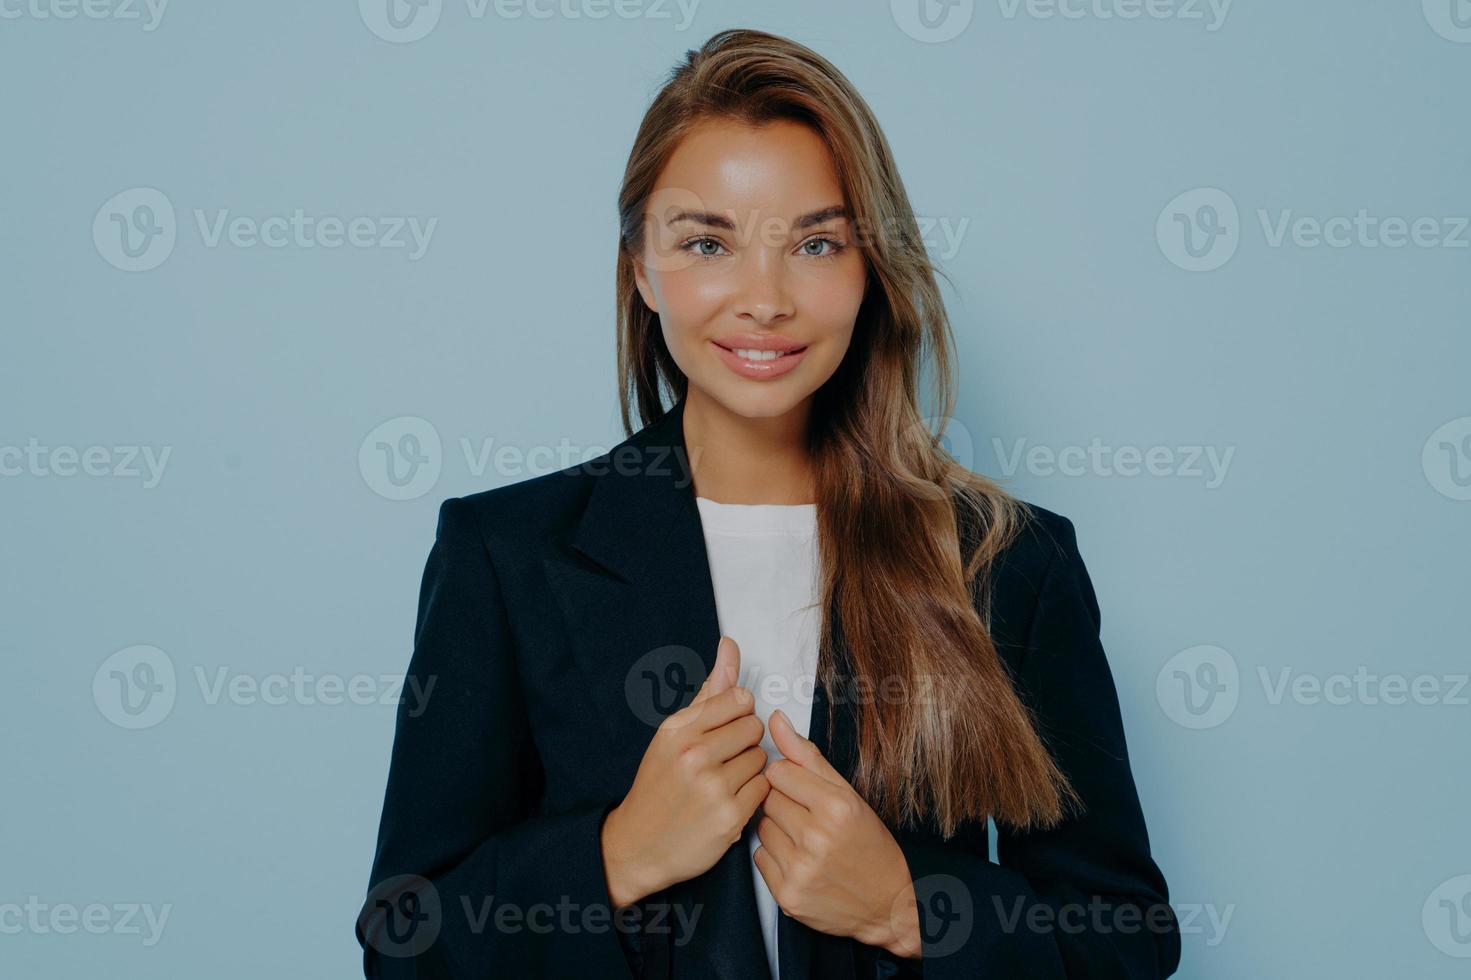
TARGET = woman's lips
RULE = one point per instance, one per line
(760, 370)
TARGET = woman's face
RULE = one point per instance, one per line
(749, 254)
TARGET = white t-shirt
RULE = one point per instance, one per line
(764, 567)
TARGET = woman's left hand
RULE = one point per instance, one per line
(826, 856)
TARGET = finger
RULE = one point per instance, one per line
(724, 673)
(739, 771)
(801, 750)
(753, 794)
(720, 709)
(789, 815)
(734, 737)
(801, 784)
(777, 841)
(770, 870)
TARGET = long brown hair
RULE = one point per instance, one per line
(956, 742)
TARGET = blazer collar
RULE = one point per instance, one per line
(642, 508)
(644, 484)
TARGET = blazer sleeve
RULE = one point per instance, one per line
(468, 880)
(1083, 899)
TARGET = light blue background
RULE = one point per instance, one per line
(1322, 830)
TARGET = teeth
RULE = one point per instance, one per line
(757, 355)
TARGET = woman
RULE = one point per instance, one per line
(592, 791)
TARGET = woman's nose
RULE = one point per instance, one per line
(765, 296)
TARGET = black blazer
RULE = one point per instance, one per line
(561, 617)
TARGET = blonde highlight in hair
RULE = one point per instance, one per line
(907, 536)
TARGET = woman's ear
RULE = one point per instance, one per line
(641, 280)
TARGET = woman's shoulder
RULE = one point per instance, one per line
(1045, 537)
(1045, 545)
(543, 509)
(538, 508)
(1041, 538)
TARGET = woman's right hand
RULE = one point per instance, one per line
(697, 785)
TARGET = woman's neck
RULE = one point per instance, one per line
(740, 460)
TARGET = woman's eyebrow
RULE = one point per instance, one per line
(713, 219)
(820, 215)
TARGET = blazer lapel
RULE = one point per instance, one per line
(803, 952)
(641, 618)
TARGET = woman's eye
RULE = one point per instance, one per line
(837, 247)
(697, 246)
